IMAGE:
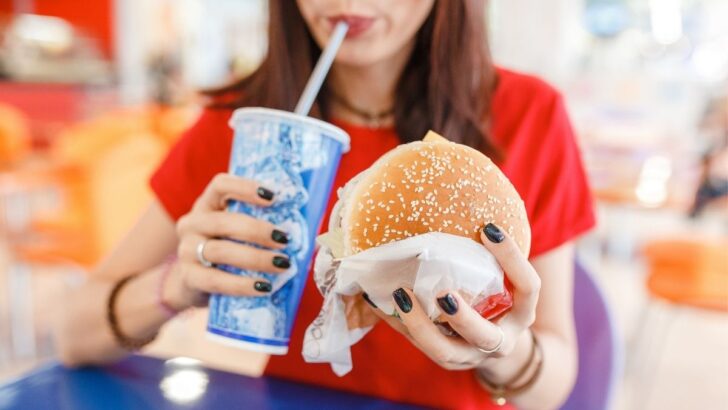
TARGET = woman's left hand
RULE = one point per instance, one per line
(480, 339)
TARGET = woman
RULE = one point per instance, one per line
(405, 67)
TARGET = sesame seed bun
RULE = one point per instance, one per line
(432, 185)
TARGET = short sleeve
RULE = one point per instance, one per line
(559, 200)
(200, 154)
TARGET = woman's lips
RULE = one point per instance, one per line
(358, 25)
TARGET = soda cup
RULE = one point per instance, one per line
(297, 158)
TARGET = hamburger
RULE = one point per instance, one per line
(432, 185)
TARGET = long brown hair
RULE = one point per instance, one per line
(446, 86)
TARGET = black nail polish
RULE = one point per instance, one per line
(369, 301)
(263, 287)
(493, 233)
(403, 300)
(448, 303)
(281, 262)
(266, 194)
(279, 236)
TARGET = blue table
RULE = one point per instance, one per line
(145, 383)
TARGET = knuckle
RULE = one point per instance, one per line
(442, 356)
(448, 366)
(186, 248)
(527, 289)
(218, 180)
(537, 284)
(485, 342)
(200, 201)
(532, 287)
(183, 225)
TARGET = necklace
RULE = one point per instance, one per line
(372, 119)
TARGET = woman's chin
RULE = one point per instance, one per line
(359, 56)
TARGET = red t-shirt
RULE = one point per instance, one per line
(542, 160)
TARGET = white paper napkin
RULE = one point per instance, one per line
(428, 264)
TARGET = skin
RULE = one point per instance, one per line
(365, 71)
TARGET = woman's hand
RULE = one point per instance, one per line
(190, 281)
(478, 335)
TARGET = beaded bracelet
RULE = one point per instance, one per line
(123, 340)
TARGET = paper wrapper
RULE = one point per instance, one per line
(429, 264)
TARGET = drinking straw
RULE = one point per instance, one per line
(322, 68)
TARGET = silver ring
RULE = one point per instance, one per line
(201, 255)
(497, 347)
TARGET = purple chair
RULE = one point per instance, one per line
(600, 351)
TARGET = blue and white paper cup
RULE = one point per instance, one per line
(297, 157)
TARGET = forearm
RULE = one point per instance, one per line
(83, 334)
(555, 380)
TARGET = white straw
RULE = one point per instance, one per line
(322, 68)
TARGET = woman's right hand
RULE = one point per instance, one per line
(190, 282)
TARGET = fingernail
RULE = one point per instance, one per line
(263, 287)
(403, 300)
(448, 303)
(279, 236)
(266, 194)
(281, 262)
(369, 301)
(493, 233)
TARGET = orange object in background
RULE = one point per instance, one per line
(15, 137)
(100, 169)
(119, 188)
(56, 237)
(689, 272)
(169, 123)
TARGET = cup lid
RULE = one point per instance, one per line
(327, 128)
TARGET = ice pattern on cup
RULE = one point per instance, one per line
(262, 320)
(287, 186)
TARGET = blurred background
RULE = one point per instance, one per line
(91, 99)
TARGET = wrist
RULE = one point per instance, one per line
(174, 297)
(126, 338)
(501, 369)
(522, 380)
